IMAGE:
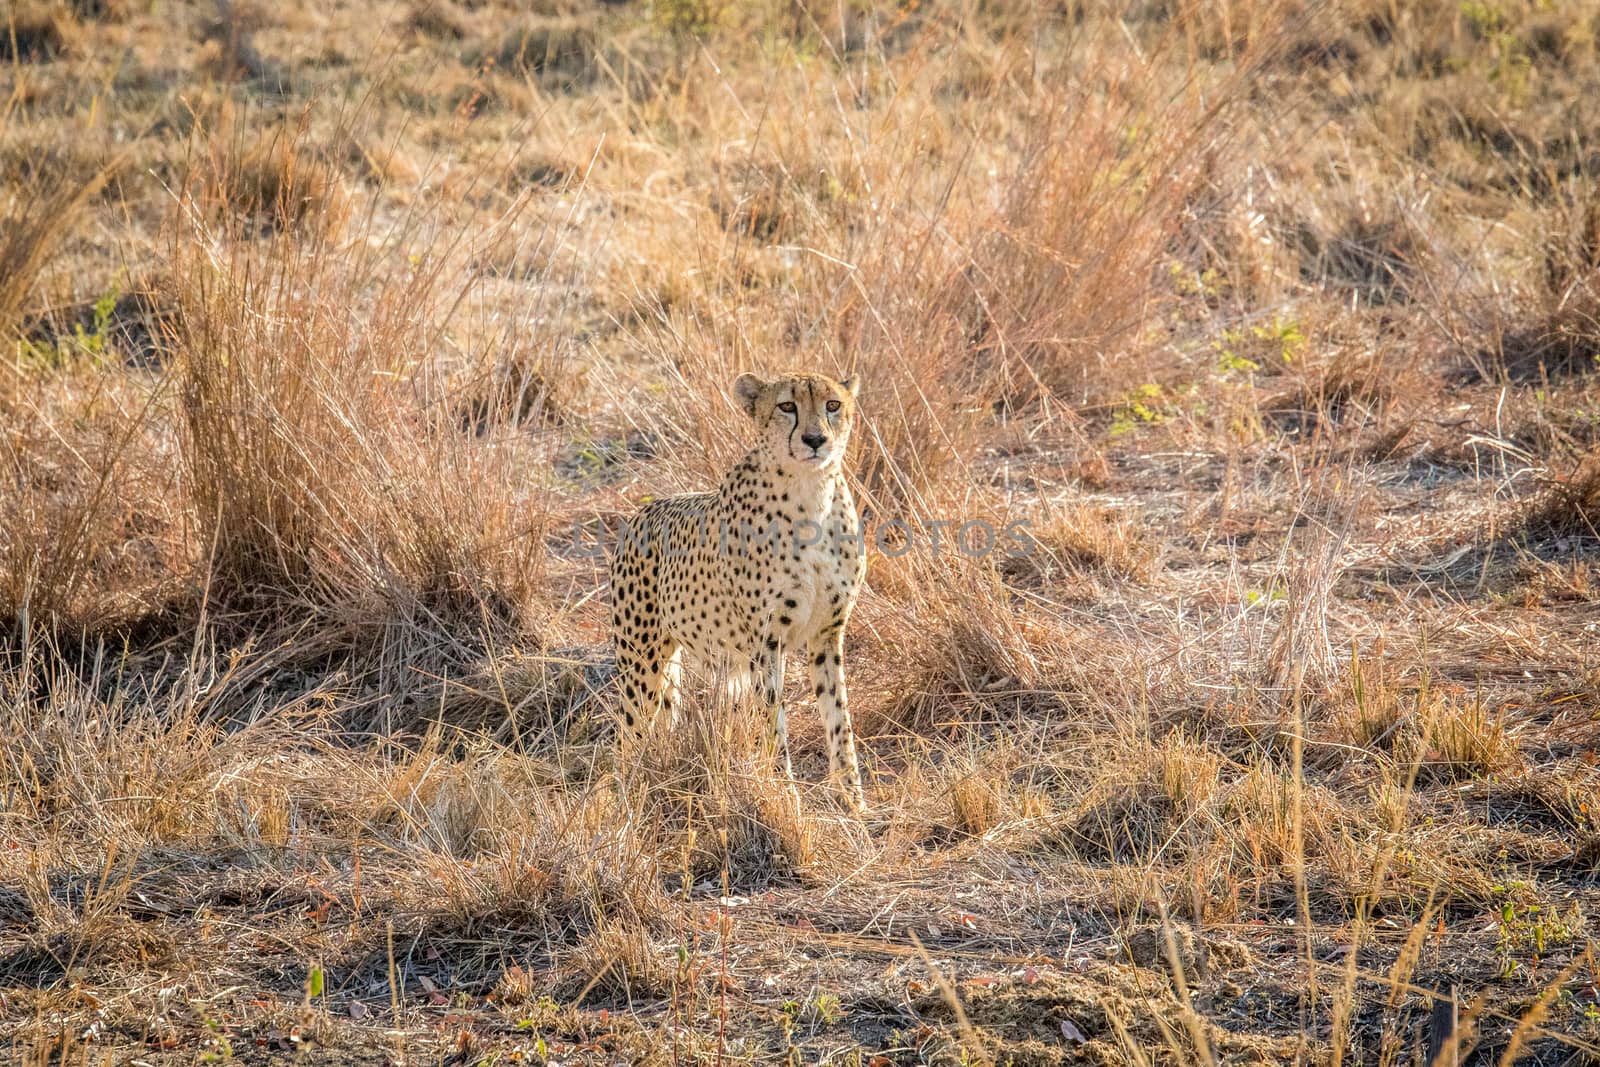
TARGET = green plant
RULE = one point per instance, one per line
(1273, 594)
(694, 18)
(1208, 283)
(1283, 336)
(827, 1009)
(1528, 925)
(1484, 19)
(90, 342)
(1228, 361)
(1145, 405)
(221, 1049)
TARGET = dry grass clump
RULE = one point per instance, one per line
(1368, 250)
(1443, 736)
(1460, 739)
(437, 18)
(518, 388)
(978, 803)
(533, 698)
(1039, 315)
(1290, 844)
(984, 792)
(1128, 824)
(757, 202)
(148, 769)
(1302, 649)
(1350, 387)
(229, 52)
(134, 324)
(782, 201)
(1147, 804)
(1559, 334)
(510, 854)
(303, 440)
(278, 183)
(35, 31)
(1370, 706)
(1565, 340)
(41, 207)
(1569, 504)
(143, 324)
(620, 962)
(724, 802)
(560, 53)
(968, 655)
(81, 549)
(1009, 310)
(1086, 537)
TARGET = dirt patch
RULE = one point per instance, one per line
(1197, 955)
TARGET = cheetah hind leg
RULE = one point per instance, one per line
(648, 672)
(671, 683)
(769, 676)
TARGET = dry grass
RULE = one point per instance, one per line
(1570, 503)
(333, 339)
(42, 206)
(37, 31)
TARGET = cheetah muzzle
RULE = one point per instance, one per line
(770, 562)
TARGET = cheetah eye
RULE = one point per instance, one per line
(834, 406)
(787, 407)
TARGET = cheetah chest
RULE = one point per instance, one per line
(814, 592)
(802, 592)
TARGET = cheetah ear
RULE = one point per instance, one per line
(747, 388)
(852, 384)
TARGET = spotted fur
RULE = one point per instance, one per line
(702, 573)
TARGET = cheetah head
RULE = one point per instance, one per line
(804, 418)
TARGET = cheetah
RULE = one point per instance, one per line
(770, 562)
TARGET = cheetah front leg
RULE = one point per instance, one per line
(827, 676)
(769, 676)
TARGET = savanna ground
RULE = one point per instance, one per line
(336, 333)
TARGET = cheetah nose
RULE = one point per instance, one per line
(813, 440)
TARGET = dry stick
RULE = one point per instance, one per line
(355, 889)
(1443, 1049)
(1410, 951)
(394, 989)
(680, 976)
(1297, 818)
(1481, 1009)
(1191, 1019)
(968, 1034)
(1464, 1034)
(601, 973)
(1132, 1048)
(1380, 871)
(723, 934)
